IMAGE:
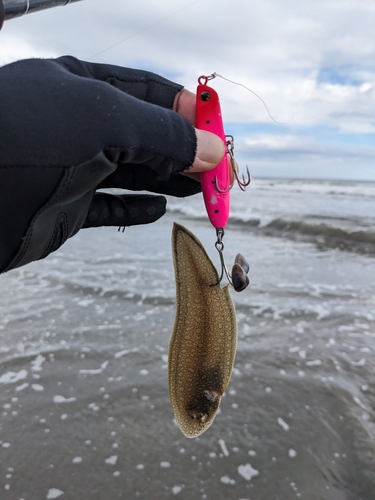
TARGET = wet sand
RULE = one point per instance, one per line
(88, 422)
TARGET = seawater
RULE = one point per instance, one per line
(84, 338)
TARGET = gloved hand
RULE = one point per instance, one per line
(68, 128)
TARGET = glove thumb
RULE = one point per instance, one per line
(124, 210)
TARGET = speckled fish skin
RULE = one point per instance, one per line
(204, 339)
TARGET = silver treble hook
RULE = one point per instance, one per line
(242, 183)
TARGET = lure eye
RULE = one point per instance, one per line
(205, 96)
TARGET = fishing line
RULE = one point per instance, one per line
(215, 74)
(145, 28)
(256, 95)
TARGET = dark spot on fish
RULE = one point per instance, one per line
(208, 388)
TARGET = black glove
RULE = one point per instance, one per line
(68, 128)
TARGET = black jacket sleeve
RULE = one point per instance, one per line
(69, 127)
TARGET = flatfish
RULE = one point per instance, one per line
(203, 344)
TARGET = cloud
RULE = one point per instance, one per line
(14, 47)
(304, 156)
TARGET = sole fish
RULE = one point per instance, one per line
(203, 344)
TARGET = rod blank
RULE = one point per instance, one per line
(10, 9)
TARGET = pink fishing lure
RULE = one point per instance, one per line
(216, 182)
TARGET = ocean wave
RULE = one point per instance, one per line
(314, 186)
(323, 235)
(90, 291)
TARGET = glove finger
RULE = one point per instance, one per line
(140, 178)
(124, 210)
(143, 85)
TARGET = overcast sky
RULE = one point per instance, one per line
(313, 63)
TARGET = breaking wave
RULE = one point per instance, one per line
(323, 235)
